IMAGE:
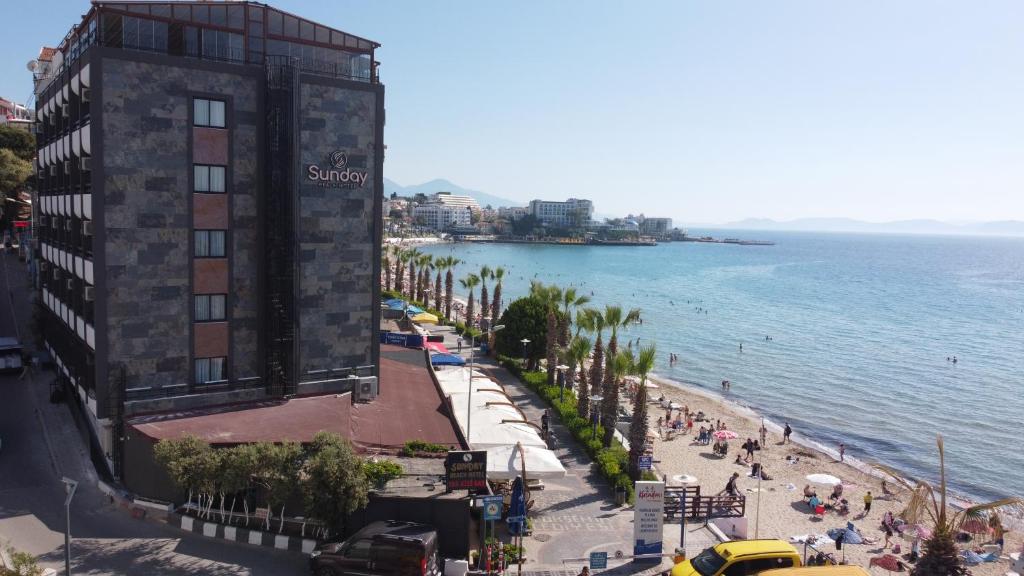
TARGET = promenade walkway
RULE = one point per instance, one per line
(575, 515)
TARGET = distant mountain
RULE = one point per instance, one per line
(441, 185)
(923, 226)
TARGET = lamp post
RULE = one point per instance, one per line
(472, 356)
(525, 342)
(595, 399)
(561, 380)
(69, 488)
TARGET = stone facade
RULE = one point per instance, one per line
(146, 202)
(337, 230)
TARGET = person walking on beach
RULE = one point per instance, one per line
(749, 447)
(842, 452)
(867, 503)
(786, 434)
(764, 437)
(730, 486)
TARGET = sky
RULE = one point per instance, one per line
(705, 112)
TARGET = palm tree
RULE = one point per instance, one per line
(425, 262)
(469, 283)
(499, 273)
(614, 370)
(485, 274)
(449, 284)
(596, 319)
(613, 318)
(385, 267)
(439, 264)
(403, 257)
(640, 365)
(928, 504)
(414, 255)
(579, 351)
(570, 302)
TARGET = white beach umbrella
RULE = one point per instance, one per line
(825, 479)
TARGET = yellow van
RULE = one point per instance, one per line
(740, 558)
(818, 571)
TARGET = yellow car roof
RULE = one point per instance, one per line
(817, 571)
(740, 548)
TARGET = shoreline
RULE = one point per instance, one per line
(1013, 517)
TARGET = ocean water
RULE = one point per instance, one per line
(861, 327)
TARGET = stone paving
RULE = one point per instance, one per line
(576, 515)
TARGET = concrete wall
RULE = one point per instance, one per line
(146, 191)
(339, 227)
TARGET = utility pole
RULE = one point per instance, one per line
(69, 488)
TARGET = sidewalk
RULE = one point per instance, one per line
(575, 515)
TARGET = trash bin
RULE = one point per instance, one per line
(620, 495)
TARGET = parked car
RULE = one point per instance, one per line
(390, 548)
(740, 558)
(10, 355)
(846, 570)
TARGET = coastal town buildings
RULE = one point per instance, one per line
(208, 212)
(14, 115)
(572, 213)
(455, 200)
(655, 226)
(442, 217)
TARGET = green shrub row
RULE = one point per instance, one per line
(613, 463)
(461, 329)
(413, 447)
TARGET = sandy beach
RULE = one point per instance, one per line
(783, 512)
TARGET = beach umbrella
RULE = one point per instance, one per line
(424, 318)
(920, 530)
(824, 479)
(725, 435)
(975, 526)
(850, 536)
(447, 360)
(435, 347)
(517, 507)
(886, 562)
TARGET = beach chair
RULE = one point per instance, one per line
(819, 513)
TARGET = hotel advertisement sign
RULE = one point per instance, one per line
(337, 173)
(466, 470)
(648, 516)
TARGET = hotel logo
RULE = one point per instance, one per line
(339, 175)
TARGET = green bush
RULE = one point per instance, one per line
(413, 447)
(613, 462)
(380, 472)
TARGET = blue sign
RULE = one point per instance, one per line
(400, 339)
(646, 462)
(598, 560)
(492, 507)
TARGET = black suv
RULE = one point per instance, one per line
(387, 548)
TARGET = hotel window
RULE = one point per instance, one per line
(210, 369)
(210, 307)
(210, 243)
(208, 178)
(208, 113)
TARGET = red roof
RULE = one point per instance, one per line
(46, 53)
(409, 407)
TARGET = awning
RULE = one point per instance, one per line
(446, 360)
(505, 463)
(424, 318)
(436, 347)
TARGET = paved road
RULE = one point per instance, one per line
(575, 515)
(40, 444)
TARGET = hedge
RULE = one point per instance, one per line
(612, 463)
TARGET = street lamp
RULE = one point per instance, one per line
(69, 488)
(525, 342)
(595, 400)
(469, 399)
(561, 381)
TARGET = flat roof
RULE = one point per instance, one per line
(295, 420)
(408, 406)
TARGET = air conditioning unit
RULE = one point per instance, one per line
(43, 266)
(86, 164)
(65, 111)
(85, 94)
(67, 166)
(87, 227)
(366, 389)
(89, 293)
(69, 224)
(56, 273)
(53, 170)
(71, 283)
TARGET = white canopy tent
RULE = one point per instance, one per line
(505, 463)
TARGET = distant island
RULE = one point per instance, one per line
(998, 228)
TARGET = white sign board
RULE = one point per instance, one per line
(648, 517)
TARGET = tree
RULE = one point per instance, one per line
(640, 365)
(414, 256)
(579, 351)
(14, 172)
(614, 370)
(334, 483)
(928, 505)
(469, 283)
(499, 274)
(385, 265)
(438, 265)
(613, 318)
(524, 318)
(425, 261)
(20, 142)
(551, 296)
(596, 319)
(485, 275)
(402, 257)
(571, 301)
(180, 458)
(278, 473)
(525, 226)
(449, 285)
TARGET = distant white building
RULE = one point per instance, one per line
(512, 212)
(449, 199)
(571, 213)
(655, 226)
(443, 216)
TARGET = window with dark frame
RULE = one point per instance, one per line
(208, 179)
(210, 307)
(208, 113)
(210, 369)
(210, 243)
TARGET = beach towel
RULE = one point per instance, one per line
(852, 536)
(811, 538)
(971, 558)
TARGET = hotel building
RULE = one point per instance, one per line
(209, 210)
(571, 213)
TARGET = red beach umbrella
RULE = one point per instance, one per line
(887, 562)
(725, 435)
(975, 526)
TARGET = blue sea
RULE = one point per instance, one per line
(860, 330)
